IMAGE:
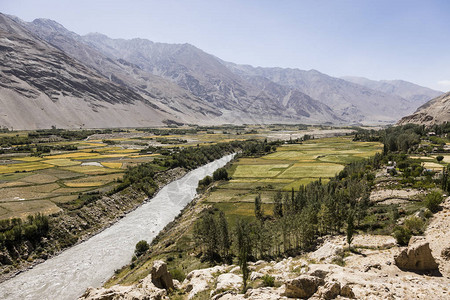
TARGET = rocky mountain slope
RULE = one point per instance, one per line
(414, 93)
(351, 101)
(96, 81)
(202, 74)
(374, 270)
(41, 86)
(435, 111)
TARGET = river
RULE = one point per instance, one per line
(92, 262)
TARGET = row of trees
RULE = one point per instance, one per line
(14, 231)
(298, 218)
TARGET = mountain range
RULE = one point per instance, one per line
(52, 76)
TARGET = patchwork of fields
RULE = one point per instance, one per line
(289, 167)
(30, 184)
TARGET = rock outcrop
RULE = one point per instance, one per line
(160, 276)
(303, 286)
(417, 257)
(149, 288)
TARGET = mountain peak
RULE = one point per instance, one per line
(50, 24)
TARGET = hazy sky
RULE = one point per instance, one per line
(376, 39)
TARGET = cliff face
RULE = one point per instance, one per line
(435, 111)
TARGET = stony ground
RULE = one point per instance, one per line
(330, 272)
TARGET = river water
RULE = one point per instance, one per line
(92, 262)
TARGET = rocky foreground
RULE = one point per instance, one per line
(376, 269)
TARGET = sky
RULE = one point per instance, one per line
(376, 39)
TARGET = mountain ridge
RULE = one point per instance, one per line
(178, 82)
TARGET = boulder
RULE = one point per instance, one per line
(347, 292)
(199, 280)
(229, 281)
(330, 290)
(303, 286)
(255, 275)
(417, 257)
(327, 252)
(139, 292)
(445, 253)
(263, 293)
(161, 278)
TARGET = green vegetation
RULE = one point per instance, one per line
(432, 201)
(141, 247)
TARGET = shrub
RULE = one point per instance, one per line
(141, 248)
(177, 274)
(414, 224)
(268, 280)
(432, 201)
(402, 234)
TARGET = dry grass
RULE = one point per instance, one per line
(93, 181)
(21, 209)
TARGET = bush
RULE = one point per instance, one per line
(432, 201)
(268, 280)
(177, 274)
(402, 234)
(414, 224)
(141, 248)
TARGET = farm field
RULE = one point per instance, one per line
(289, 167)
(41, 182)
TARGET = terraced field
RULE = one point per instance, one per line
(289, 167)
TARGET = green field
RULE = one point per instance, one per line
(60, 175)
(289, 167)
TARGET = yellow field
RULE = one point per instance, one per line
(74, 155)
(23, 167)
(62, 162)
(112, 165)
(91, 170)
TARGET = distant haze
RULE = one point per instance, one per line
(375, 39)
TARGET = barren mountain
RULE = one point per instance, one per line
(41, 86)
(202, 74)
(96, 81)
(435, 111)
(351, 102)
(122, 72)
(414, 93)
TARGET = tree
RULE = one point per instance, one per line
(259, 214)
(324, 219)
(141, 247)
(220, 174)
(439, 158)
(224, 239)
(244, 247)
(278, 205)
(350, 229)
